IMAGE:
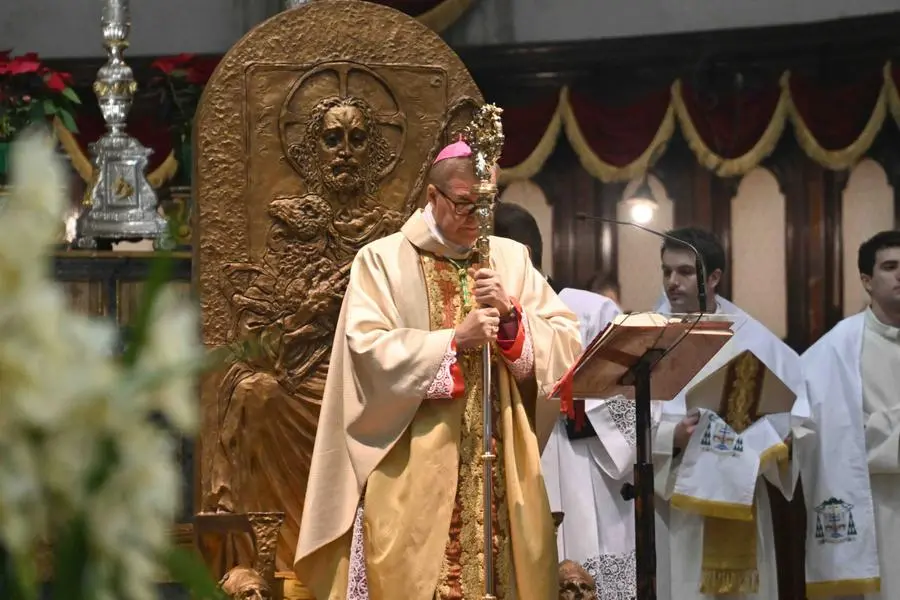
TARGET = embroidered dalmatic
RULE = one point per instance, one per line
(851, 473)
(394, 503)
(701, 557)
(585, 469)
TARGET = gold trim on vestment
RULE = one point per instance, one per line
(730, 540)
(444, 283)
(844, 587)
(730, 511)
(779, 453)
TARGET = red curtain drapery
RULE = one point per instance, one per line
(731, 134)
(618, 141)
(836, 114)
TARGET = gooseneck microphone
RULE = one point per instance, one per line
(700, 264)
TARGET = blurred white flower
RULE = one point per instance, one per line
(67, 403)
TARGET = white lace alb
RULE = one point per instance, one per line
(614, 574)
(441, 387)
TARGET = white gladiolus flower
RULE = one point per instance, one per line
(66, 400)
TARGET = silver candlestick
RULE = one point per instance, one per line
(123, 204)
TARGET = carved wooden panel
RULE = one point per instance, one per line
(313, 138)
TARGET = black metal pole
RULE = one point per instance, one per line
(644, 513)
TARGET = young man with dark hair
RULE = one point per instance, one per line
(679, 269)
(851, 470)
(584, 470)
(607, 286)
(693, 563)
(516, 223)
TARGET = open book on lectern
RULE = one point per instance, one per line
(682, 344)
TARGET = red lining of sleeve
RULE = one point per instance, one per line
(459, 382)
(512, 349)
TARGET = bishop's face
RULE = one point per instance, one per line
(453, 206)
(884, 284)
(343, 148)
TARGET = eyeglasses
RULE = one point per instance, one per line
(460, 207)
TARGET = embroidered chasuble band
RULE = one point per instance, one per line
(450, 292)
(729, 564)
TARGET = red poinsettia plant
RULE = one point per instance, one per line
(179, 86)
(30, 92)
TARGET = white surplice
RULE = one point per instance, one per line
(851, 473)
(679, 535)
(584, 476)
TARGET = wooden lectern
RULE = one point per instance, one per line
(634, 353)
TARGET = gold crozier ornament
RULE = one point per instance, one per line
(485, 136)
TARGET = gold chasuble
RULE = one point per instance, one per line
(400, 431)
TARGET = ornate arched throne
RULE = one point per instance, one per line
(313, 138)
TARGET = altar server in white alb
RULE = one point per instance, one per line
(851, 477)
(585, 469)
(703, 467)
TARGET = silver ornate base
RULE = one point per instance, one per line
(123, 205)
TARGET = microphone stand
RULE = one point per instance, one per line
(485, 136)
(642, 490)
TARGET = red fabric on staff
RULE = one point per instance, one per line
(566, 402)
(579, 415)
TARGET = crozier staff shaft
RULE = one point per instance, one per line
(485, 214)
(485, 136)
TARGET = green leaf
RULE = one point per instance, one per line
(186, 568)
(67, 120)
(36, 112)
(160, 274)
(71, 554)
(71, 95)
(49, 107)
(106, 463)
(18, 579)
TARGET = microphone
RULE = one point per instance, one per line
(700, 265)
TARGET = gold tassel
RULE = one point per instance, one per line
(729, 557)
(720, 583)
